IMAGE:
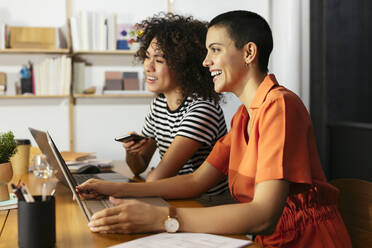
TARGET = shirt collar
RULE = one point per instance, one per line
(262, 91)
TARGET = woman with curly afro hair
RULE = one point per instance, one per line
(184, 121)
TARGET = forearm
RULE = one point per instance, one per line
(239, 218)
(177, 187)
(136, 163)
(258, 216)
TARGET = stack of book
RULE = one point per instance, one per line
(52, 76)
(93, 31)
(3, 36)
(116, 81)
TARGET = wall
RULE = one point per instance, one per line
(98, 121)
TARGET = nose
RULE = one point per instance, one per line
(207, 62)
(148, 65)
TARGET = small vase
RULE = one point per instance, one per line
(6, 174)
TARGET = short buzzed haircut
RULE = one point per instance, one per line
(244, 27)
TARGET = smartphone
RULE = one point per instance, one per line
(130, 137)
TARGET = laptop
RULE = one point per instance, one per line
(89, 206)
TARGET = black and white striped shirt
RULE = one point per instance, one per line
(200, 120)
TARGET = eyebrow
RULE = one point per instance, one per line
(156, 55)
(214, 43)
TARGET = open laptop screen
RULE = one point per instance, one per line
(48, 147)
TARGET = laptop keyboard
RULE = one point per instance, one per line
(80, 178)
(106, 202)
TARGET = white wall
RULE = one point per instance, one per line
(290, 59)
(38, 13)
(44, 114)
(98, 121)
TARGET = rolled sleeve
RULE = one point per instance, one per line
(220, 155)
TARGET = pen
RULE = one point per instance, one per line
(26, 193)
(17, 192)
(43, 192)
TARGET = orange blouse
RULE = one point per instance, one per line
(281, 145)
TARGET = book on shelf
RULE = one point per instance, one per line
(3, 35)
(83, 28)
(33, 37)
(52, 76)
(96, 31)
(74, 27)
(111, 32)
(78, 77)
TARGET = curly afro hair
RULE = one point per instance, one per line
(182, 41)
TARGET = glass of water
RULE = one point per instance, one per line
(41, 167)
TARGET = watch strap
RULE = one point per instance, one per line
(172, 212)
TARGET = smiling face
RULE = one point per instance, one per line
(158, 75)
(226, 63)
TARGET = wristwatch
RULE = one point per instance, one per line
(171, 223)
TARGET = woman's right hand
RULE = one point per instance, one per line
(95, 188)
(135, 147)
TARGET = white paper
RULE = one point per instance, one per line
(184, 240)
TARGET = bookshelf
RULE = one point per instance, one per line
(82, 114)
(136, 94)
(34, 51)
(115, 52)
(33, 96)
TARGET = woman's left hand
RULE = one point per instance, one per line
(129, 216)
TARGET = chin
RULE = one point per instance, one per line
(151, 89)
(217, 88)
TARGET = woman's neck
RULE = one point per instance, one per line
(174, 99)
(250, 89)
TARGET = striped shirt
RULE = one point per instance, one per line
(200, 120)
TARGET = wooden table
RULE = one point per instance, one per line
(71, 225)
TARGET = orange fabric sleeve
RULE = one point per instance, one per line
(219, 157)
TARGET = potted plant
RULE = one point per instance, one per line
(8, 148)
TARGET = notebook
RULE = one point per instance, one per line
(90, 206)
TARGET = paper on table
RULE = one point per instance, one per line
(184, 240)
(9, 204)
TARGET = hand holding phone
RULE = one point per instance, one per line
(130, 137)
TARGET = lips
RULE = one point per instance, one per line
(215, 74)
(151, 79)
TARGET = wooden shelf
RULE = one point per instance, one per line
(46, 51)
(115, 52)
(33, 96)
(128, 95)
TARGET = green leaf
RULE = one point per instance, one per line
(8, 146)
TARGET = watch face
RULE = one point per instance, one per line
(171, 225)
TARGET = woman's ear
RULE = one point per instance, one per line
(250, 52)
